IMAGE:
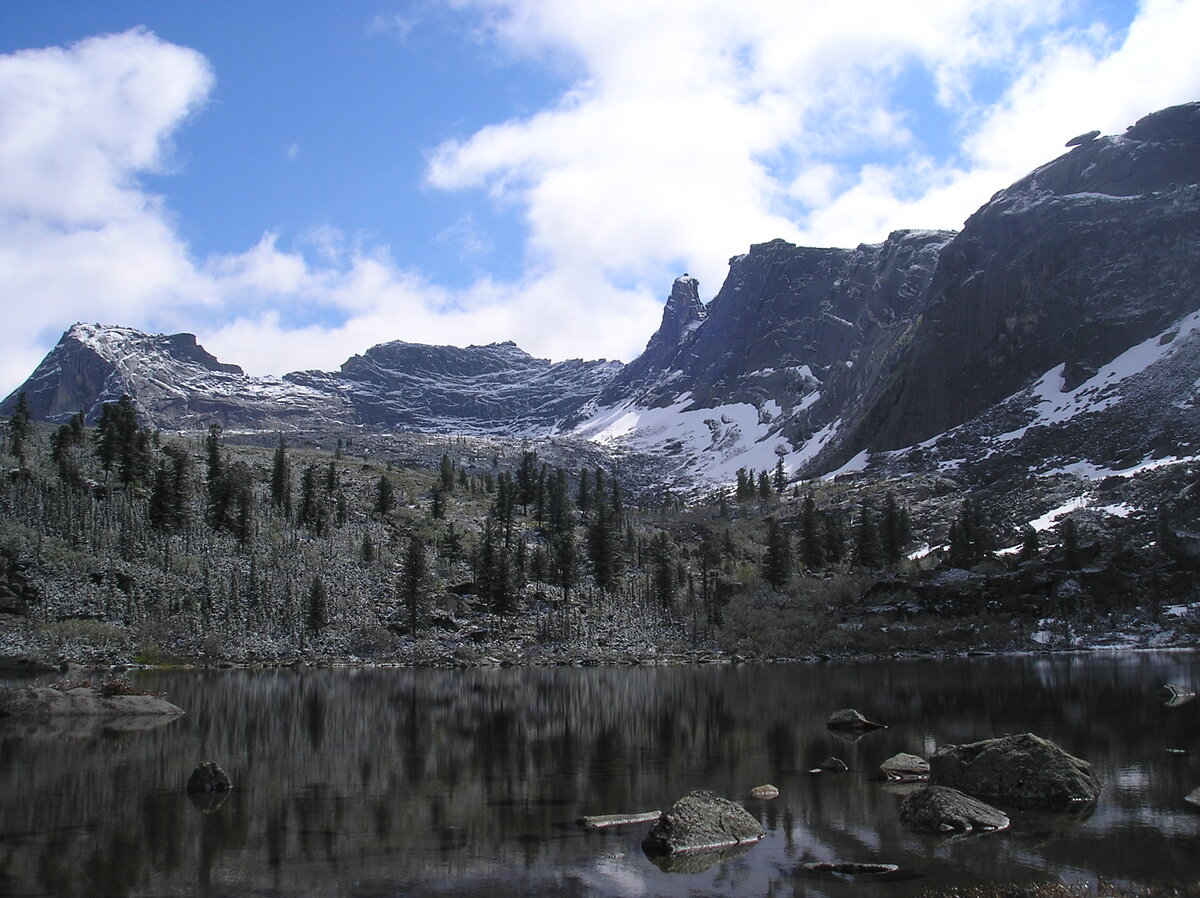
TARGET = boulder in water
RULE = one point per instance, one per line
(1024, 770)
(764, 792)
(904, 768)
(209, 777)
(702, 821)
(943, 810)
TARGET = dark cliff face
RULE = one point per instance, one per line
(1085, 257)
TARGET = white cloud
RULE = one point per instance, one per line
(691, 130)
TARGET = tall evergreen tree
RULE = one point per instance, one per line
(18, 427)
(281, 479)
(385, 496)
(777, 565)
(446, 470)
(895, 532)
(414, 580)
(970, 538)
(812, 540)
(867, 551)
(318, 606)
(603, 547)
(527, 480)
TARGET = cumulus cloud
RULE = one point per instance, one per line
(687, 131)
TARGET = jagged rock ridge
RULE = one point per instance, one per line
(1059, 327)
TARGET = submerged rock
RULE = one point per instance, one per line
(904, 768)
(46, 701)
(209, 777)
(943, 810)
(702, 821)
(764, 792)
(1024, 770)
(850, 719)
(848, 871)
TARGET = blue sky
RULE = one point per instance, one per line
(295, 181)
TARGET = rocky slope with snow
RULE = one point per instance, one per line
(1058, 331)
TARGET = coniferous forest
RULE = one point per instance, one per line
(122, 544)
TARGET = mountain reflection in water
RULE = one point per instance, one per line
(418, 782)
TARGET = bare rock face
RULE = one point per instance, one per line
(1024, 770)
(45, 701)
(943, 810)
(850, 719)
(904, 768)
(702, 821)
(209, 777)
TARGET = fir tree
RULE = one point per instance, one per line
(281, 479)
(779, 478)
(867, 552)
(895, 532)
(1031, 543)
(318, 606)
(662, 564)
(777, 565)
(414, 576)
(385, 496)
(812, 541)
(446, 473)
(18, 427)
(970, 538)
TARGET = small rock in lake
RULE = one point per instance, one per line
(944, 810)
(702, 821)
(904, 768)
(764, 792)
(1194, 797)
(209, 777)
(1174, 694)
(850, 719)
(830, 765)
(849, 871)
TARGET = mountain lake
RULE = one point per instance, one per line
(381, 782)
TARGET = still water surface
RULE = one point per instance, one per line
(426, 782)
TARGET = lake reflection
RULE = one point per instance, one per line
(419, 782)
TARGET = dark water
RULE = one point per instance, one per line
(401, 782)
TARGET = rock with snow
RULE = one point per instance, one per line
(702, 821)
(941, 809)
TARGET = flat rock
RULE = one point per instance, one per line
(943, 810)
(850, 719)
(702, 821)
(1024, 770)
(831, 765)
(604, 821)
(764, 792)
(45, 701)
(904, 768)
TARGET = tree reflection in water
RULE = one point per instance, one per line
(389, 782)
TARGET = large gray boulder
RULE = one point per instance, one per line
(702, 821)
(943, 810)
(1024, 770)
(46, 701)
